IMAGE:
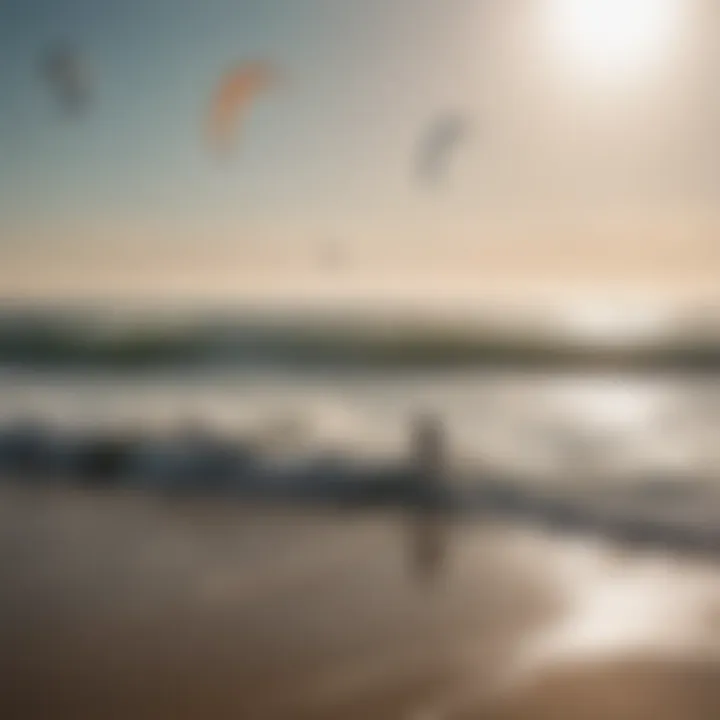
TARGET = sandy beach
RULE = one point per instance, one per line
(119, 606)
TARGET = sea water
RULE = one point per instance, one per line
(541, 426)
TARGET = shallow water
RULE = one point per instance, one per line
(180, 609)
(561, 427)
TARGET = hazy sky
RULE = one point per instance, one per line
(577, 163)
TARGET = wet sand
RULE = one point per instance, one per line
(120, 606)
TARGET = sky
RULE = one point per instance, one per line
(592, 156)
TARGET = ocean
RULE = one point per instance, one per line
(515, 396)
(536, 425)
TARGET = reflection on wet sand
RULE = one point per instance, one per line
(635, 641)
(121, 606)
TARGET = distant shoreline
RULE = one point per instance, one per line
(76, 339)
(150, 351)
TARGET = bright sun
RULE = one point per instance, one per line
(613, 39)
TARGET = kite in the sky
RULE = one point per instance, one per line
(68, 76)
(235, 94)
(437, 146)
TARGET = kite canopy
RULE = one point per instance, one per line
(68, 75)
(440, 141)
(235, 94)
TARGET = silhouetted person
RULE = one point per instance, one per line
(430, 531)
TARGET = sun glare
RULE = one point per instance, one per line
(612, 39)
(604, 325)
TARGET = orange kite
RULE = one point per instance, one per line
(235, 94)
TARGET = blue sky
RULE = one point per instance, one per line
(140, 150)
(328, 154)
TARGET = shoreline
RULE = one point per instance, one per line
(126, 606)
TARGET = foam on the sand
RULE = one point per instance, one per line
(626, 613)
